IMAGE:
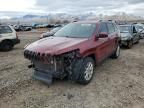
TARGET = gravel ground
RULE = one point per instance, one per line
(116, 84)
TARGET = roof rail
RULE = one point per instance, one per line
(75, 21)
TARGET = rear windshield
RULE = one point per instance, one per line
(5, 29)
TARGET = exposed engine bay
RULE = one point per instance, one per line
(46, 67)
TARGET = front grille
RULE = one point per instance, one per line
(46, 63)
(37, 56)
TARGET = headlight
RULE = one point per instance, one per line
(74, 53)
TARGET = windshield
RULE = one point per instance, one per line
(76, 30)
(124, 29)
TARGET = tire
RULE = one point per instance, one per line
(138, 41)
(85, 70)
(129, 44)
(116, 54)
(7, 46)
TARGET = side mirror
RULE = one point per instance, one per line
(103, 35)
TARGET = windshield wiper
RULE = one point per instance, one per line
(61, 36)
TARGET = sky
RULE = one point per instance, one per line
(17, 8)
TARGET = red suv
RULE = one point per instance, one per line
(74, 51)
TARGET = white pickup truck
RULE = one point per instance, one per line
(8, 38)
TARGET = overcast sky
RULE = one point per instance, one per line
(16, 8)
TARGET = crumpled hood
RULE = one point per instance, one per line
(55, 45)
(125, 35)
(142, 31)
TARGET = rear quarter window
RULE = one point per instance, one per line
(5, 29)
(116, 28)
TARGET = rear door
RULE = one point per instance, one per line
(113, 35)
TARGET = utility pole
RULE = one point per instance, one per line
(47, 19)
(0, 22)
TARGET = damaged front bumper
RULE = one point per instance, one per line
(46, 72)
(125, 40)
(47, 67)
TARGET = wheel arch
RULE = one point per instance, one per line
(7, 40)
(93, 57)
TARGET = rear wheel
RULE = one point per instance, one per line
(6, 46)
(116, 54)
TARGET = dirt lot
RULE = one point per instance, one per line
(116, 83)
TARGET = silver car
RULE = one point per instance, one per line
(129, 35)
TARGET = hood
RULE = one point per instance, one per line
(55, 45)
(125, 35)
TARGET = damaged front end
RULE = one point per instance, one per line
(46, 66)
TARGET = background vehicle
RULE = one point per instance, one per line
(22, 28)
(51, 33)
(142, 34)
(8, 37)
(74, 51)
(140, 29)
(129, 35)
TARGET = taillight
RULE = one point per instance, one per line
(16, 35)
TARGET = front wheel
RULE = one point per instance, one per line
(137, 41)
(86, 71)
(129, 44)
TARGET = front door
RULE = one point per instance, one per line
(135, 34)
(102, 44)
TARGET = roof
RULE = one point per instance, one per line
(126, 25)
(87, 21)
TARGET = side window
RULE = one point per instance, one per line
(111, 28)
(103, 28)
